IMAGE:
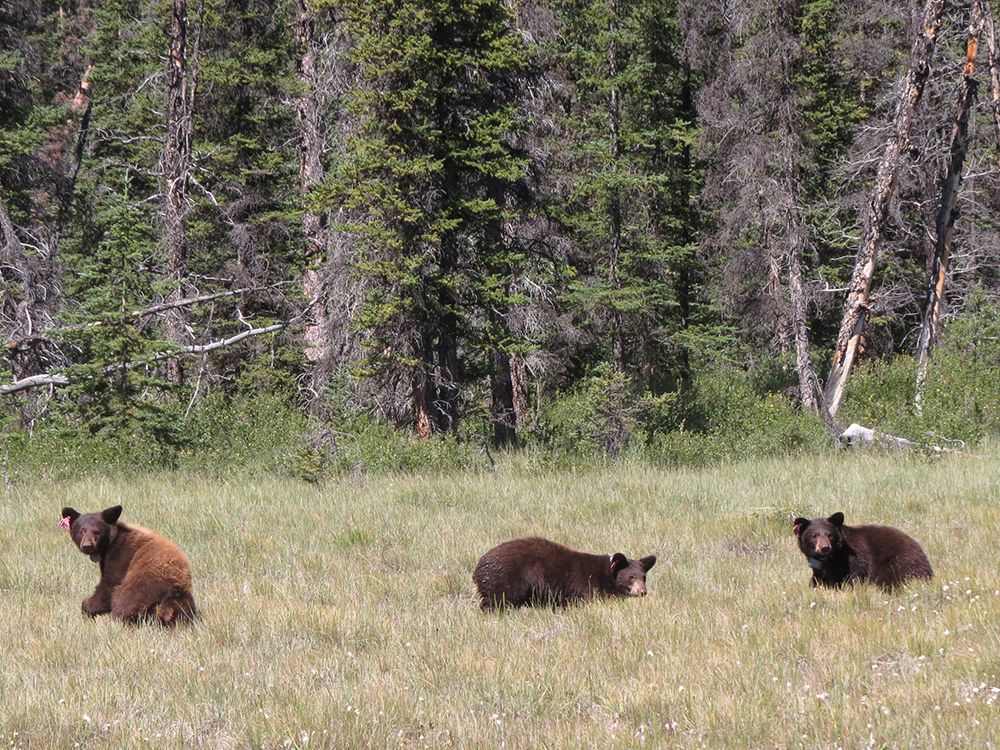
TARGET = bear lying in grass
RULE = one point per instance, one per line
(840, 554)
(144, 576)
(537, 571)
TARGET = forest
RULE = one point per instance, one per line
(399, 233)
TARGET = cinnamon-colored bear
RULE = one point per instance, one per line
(144, 576)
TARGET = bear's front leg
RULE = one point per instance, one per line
(98, 603)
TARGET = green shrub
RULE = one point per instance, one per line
(597, 416)
(961, 396)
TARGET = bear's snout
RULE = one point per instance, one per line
(89, 543)
(638, 588)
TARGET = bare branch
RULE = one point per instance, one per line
(32, 382)
(197, 349)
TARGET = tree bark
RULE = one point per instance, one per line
(993, 56)
(504, 415)
(176, 167)
(809, 389)
(877, 214)
(947, 213)
(795, 231)
(423, 388)
(311, 173)
(614, 200)
(520, 388)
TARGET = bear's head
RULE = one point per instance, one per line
(630, 575)
(820, 537)
(93, 533)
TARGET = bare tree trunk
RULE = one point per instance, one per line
(856, 305)
(993, 56)
(809, 390)
(795, 231)
(519, 385)
(445, 414)
(947, 213)
(176, 165)
(424, 392)
(504, 416)
(421, 413)
(311, 173)
(79, 107)
(614, 202)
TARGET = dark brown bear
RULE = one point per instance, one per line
(537, 571)
(841, 554)
(144, 576)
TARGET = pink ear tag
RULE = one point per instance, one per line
(64, 523)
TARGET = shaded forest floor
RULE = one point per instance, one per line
(344, 614)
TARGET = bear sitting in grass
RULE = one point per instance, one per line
(840, 554)
(537, 571)
(144, 576)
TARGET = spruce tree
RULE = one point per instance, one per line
(427, 182)
(113, 386)
(626, 147)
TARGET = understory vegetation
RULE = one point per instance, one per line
(721, 415)
(344, 615)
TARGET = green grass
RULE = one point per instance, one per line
(344, 615)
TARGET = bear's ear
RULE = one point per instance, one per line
(71, 514)
(837, 519)
(648, 562)
(798, 524)
(110, 515)
(618, 561)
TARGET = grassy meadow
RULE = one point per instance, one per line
(344, 615)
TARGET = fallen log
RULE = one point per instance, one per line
(856, 435)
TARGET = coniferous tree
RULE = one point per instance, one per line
(627, 140)
(113, 386)
(426, 183)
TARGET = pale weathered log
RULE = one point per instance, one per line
(946, 213)
(877, 214)
(856, 435)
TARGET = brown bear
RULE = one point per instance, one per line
(144, 576)
(840, 554)
(537, 571)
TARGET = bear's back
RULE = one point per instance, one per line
(890, 555)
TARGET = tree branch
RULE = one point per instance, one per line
(32, 382)
(197, 349)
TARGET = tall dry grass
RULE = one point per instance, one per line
(344, 616)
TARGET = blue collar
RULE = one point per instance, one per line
(815, 563)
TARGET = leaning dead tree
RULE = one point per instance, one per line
(947, 213)
(993, 61)
(877, 214)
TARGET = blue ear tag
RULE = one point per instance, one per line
(815, 563)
